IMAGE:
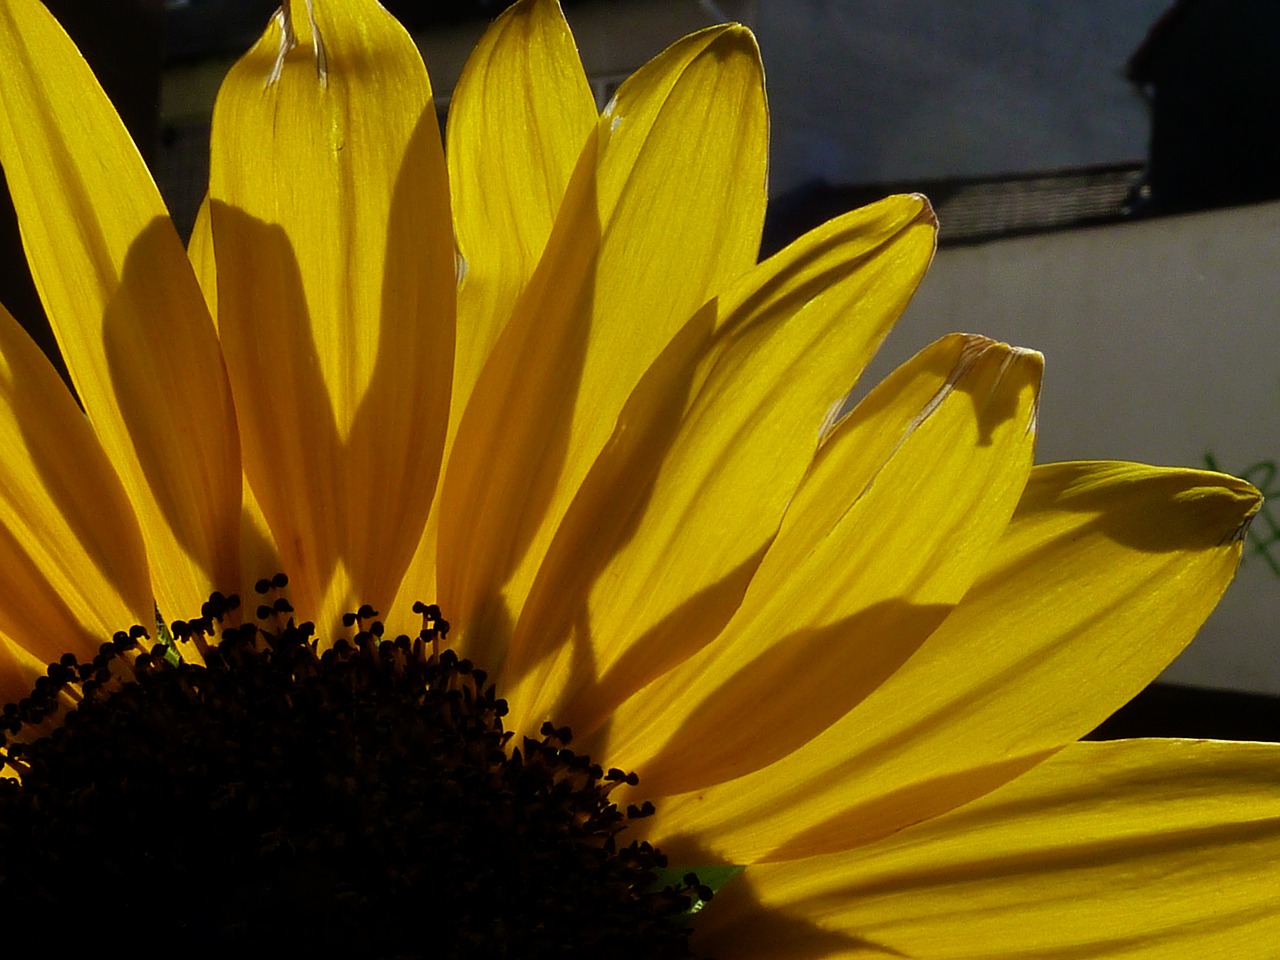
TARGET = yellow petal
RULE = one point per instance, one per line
(883, 538)
(124, 306)
(518, 119)
(656, 550)
(1105, 573)
(259, 555)
(335, 271)
(71, 555)
(663, 210)
(19, 670)
(203, 260)
(1134, 849)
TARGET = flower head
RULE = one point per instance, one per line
(538, 376)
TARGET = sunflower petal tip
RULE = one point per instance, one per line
(1021, 362)
(1028, 355)
(927, 215)
(737, 34)
(1031, 365)
(1252, 503)
(1239, 534)
(287, 41)
(1240, 501)
(975, 345)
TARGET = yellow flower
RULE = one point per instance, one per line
(539, 377)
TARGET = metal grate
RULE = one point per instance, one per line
(973, 210)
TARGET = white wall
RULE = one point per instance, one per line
(1162, 343)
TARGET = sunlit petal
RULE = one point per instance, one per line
(657, 536)
(71, 555)
(203, 259)
(654, 222)
(718, 644)
(884, 537)
(1134, 849)
(124, 305)
(258, 552)
(336, 278)
(1124, 563)
(518, 119)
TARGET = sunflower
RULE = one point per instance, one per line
(539, 378)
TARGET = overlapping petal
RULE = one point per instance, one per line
(124, 306)
(336, 277)
(71, 555)
(518, 119)
(653, 224)
(1123, 561)
(1134, 849)
(258, 551)
(655, 552)
(847, 651)
(883, 538)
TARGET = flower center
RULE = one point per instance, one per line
(361, 801)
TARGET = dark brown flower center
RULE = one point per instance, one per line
(363, 801)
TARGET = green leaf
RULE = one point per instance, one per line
(165, 637)
(713, 878)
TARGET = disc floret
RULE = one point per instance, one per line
(365, 797)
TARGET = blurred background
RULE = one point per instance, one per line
(1107, 178)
